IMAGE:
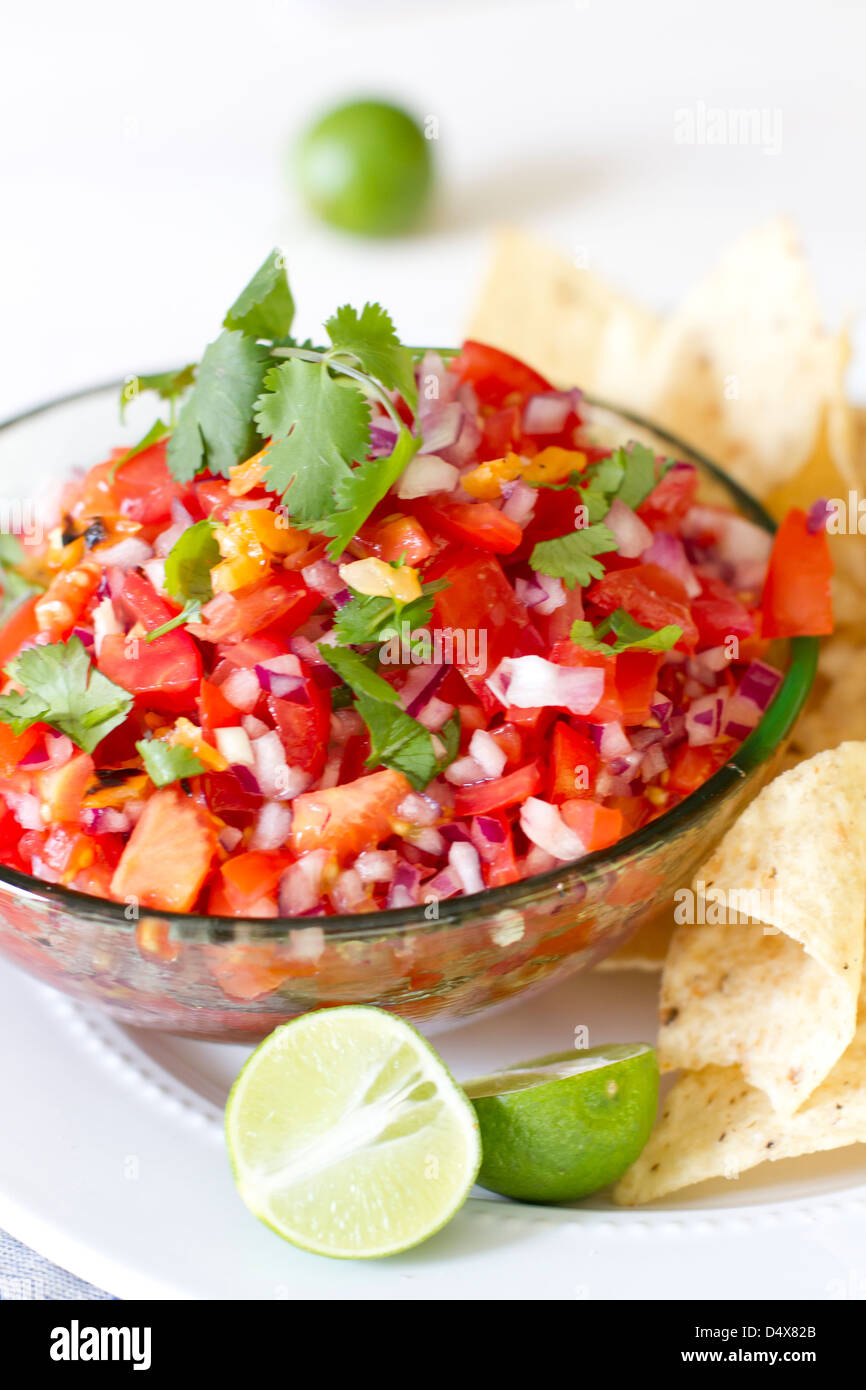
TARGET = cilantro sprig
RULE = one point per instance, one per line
(629, 635)
(63, 689)
(571, 558)
(367, 616)
(396, 739)
(312, 404)
(188, 579)
(628, 474)
(165, 763)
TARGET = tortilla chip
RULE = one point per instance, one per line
(837, 708)
(646, 950)
(781, 1008)
(714, 1125)
(564, 321)
(745, 371)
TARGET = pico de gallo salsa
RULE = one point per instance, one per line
(362, 628)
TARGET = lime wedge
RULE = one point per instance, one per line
(347, 1135)
(559, 1127)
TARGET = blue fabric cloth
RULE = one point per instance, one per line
(26, 1275)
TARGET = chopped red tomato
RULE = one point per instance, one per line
(350, 818)
(303, 726)
(667, 504)
(597, 826)
(164, 674)
(480, 798)
(169, 854)
(797, 599)
(652, 596)
(247, 878)
(692, 767)
(143, 489)
(496, 375)
(476, 524)
(719, 614)
(574, 763)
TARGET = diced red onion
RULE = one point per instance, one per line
(446, 884)
(464, 860)
(230, 837)
(25, 808)
(104, 820)
(425, 474)
(84, 637)
(530, 681)
(519, 504)
(441, 426)
(541, 592)
(128, 554)
(759, 683)
(661, 708)
(654, 762)
(628, 766)
(741, 716)
(155, 571)
(274, 776)
(436, 385)
(465, 447)
(323, 577)
(254, 727)
(818, 515)
(487, 753)
(704, 720)
(383, 436)
(308, 651)
(455, 830)
(418, 809)
(463, 771)
(633, 537)
(404, 886)
(242, 690)
(741, 544)
(428, 840)
(348, 892)
(272, 827)
(435, 715)
(235, 746)
(668, 553)
(537, 861)
(281, 676)
(542, 823)
(421, 684)
(376, 865)
(610, 740)
(301, 884)
(547, 411)
(486, 834)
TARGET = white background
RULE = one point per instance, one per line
(145, 168)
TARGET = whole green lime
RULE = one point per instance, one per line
(366, 167)
(563, 1126)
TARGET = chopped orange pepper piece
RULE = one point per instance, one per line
(486, 481)
(243, 477)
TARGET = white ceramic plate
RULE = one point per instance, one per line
(112, 1164)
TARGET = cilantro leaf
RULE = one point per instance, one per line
(265, 307)
(570, 557)
(639, 474)
(630, 635)
(360, 490)
(370, 338)
(215, 428)
(320, 427)
(167, 385)
(167, 762)
(63, 689)
(189, 563)
(157, 431)
(14, 588)
(396, 739)
(366, 616)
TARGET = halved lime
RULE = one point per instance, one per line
(559, 1127)
(348, 1136)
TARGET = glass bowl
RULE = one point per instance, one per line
(220, 978)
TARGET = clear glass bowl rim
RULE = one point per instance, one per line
(758, 748)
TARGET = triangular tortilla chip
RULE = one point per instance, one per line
(781, 1007)
(564, 321)
(745, 371)
(714, 1125)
